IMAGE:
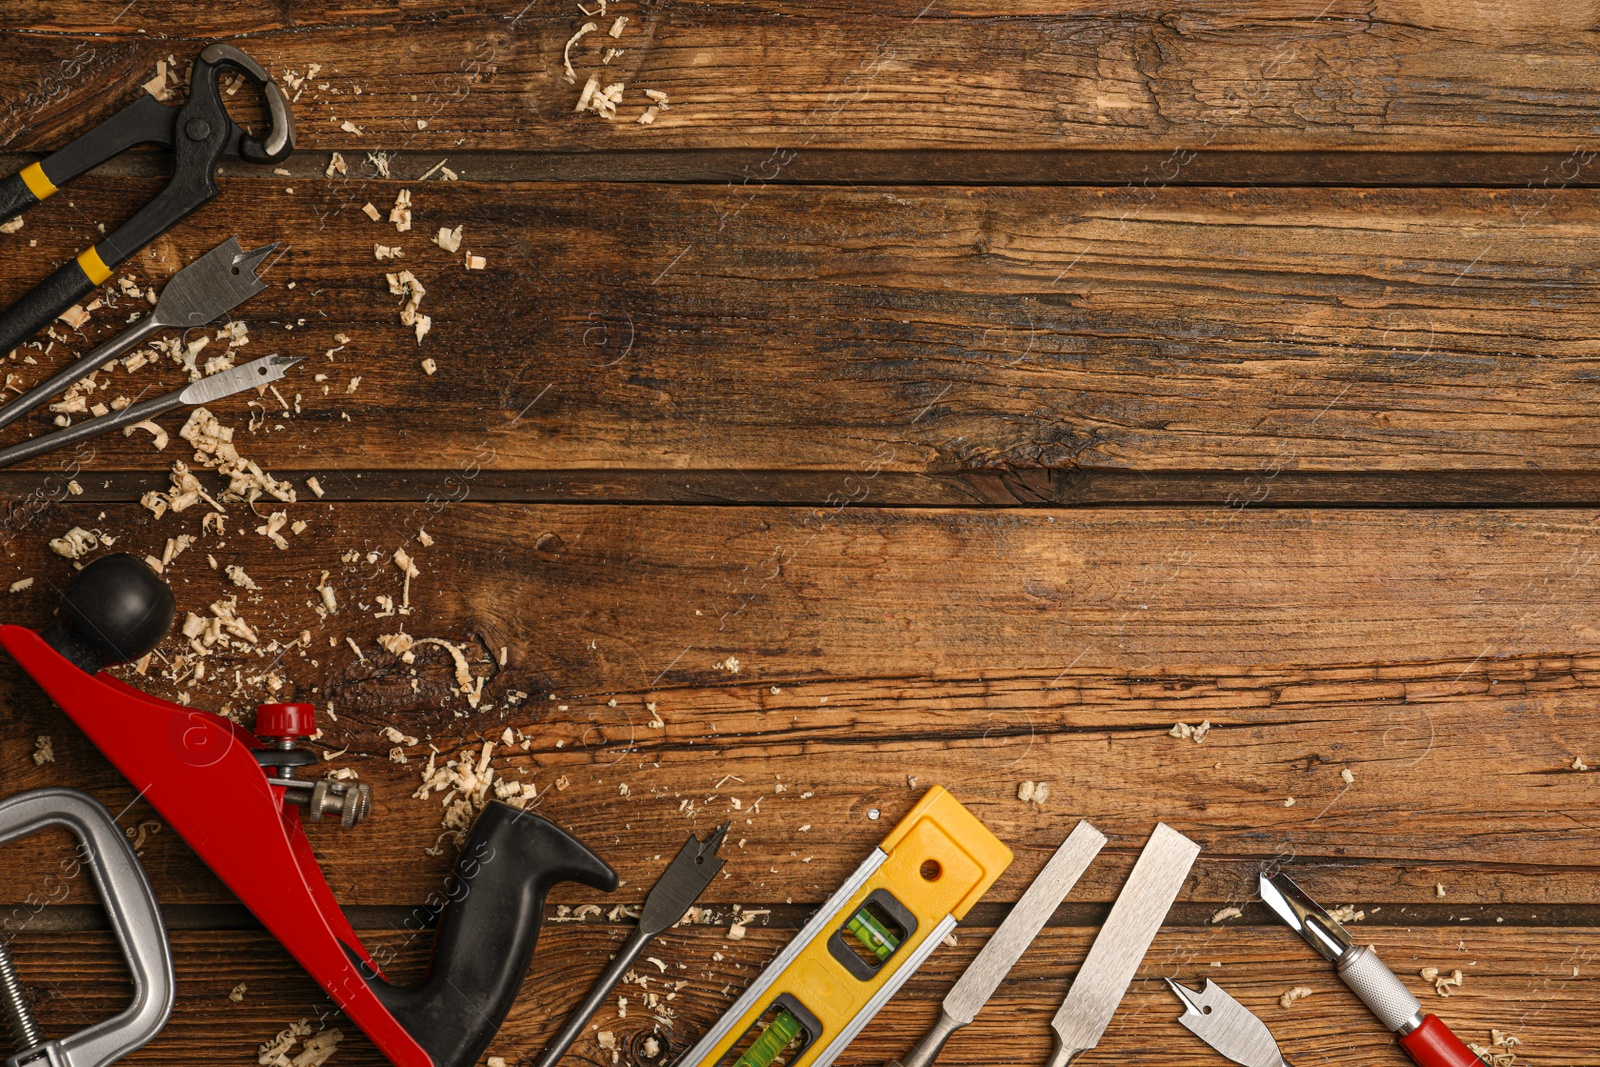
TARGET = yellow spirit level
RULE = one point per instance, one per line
(863, 944)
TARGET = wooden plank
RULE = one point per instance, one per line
(927, 331)
(1039, 487)
(1434, 654)
(910, 166)
(1519, 981)
(1290, 75)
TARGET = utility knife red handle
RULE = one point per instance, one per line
(1433, 1045)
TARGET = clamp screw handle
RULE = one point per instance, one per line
(14, 1003)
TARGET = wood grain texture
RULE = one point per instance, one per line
(929, 331)
(986, 378)
(1294, 74)
(76, 977)
(1062, 649)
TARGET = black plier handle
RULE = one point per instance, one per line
(199, 133)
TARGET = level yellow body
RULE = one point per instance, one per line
(934, 865)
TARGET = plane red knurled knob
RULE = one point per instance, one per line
(285, 721)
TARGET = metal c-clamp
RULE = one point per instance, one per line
(131, 907)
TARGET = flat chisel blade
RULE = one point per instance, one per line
(1121, 944)
(985, 973)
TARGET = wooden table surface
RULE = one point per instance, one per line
(999, 383)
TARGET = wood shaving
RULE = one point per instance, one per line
(399, 738)
(566, 53)
(141, 833)
(1035, 793)
(152, 429)
(75, 316)
(659, 98)
(476, 262)
(1442, 983)
(602, 102)
(1197, 734)
(349, 127)
(382, 252)
(335, 166)
(275, 1052)
(205, 634)
(238, 577)
(649, 116)
(77, 543)
(1288, 802)
(729, 664)
(329, 601)
(466, 784)
(1438, 890)
(448, 239)
(318, 1047)
(1498, 1053)
(400, 214)
(315, 487)
(12, 225)
(44, 750)
(470, 687)
(429, 365)
(236, 994)
(372, 212)
(584, 97)
(402, 559)
(406, 284)
(157, 86)
(175, 547)
(22, 585)
(616, 27)
(1347, 776)
(1346, 913)
(213, 445)
(1578, 764)
(186, 491)
(1299, 992)
(1225, 914)
(276, 521)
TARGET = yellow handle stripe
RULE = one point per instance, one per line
(34, 178)
(90, 262)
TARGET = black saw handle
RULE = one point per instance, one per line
(487, 931)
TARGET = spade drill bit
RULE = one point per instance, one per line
(206, 289)
(211, 388)
(1227, 1026)
(696, 864)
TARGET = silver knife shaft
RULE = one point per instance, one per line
(1121, 944)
